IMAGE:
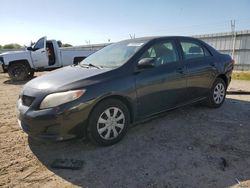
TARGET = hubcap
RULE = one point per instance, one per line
(17, 71)
(111, 123)
(219, 93)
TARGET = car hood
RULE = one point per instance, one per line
(65, 78)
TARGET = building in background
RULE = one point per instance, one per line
(236, 44)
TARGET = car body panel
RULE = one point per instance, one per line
(16, 56)
(200, 76)
(163, 84)
(160, 88)
(62, 77)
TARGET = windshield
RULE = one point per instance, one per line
(114, 55)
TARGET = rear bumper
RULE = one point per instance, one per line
(229, 76)
(54, 123)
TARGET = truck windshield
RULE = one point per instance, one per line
(114, 55)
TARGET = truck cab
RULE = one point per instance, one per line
(43, 55)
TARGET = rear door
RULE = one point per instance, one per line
(200, 67)
(164, 85)
(39, 54)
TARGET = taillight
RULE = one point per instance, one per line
(232, 61)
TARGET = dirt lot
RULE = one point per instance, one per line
(189, 147)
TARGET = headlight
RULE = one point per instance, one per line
(56, 99)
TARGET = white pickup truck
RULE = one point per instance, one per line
(43, 55)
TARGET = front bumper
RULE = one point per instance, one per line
(1, 67)
(59, 123)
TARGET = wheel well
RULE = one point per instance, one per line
(24, 62)
(224, 78)
(123, 100)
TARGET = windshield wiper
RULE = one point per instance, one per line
(90, 65)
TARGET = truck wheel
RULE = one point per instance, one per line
(18, 71)
(31, 73)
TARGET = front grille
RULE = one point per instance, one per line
(27, 100)
(1, 60)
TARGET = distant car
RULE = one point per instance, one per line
(121, 84)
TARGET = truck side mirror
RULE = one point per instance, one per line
(30, 48)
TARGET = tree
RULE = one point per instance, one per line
(1, 46)
(12, 46)
(60, 44)
(66, 45)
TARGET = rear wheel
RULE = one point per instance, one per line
(108, 122)
(18, 71)
(217, 93)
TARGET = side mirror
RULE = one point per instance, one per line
(30, 48)
(146, 63)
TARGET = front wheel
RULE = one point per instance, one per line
(31, 73)
(108, 122)
(18, 72)
(217, 93)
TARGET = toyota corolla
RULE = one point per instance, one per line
(123, 83)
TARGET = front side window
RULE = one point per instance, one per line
(192, 50)
(162, 52)
(39, 44)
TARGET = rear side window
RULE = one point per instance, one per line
(192, 50)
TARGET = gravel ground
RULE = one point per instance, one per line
(193, 146)
(239, 85)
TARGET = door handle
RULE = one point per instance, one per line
(43, 51)
(212, 64)
(180, 70)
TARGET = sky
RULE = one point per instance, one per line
(79, 22)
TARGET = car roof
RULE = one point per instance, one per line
(150, 38)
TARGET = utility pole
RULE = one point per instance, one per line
(87, 42)
(132, 36)
(233, 37)
(233, 26)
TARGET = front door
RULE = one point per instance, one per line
(39, 54)
(164, 85)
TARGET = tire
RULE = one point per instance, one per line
(31, 73)
(217, 93)
(108, 122)
(18, 71)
